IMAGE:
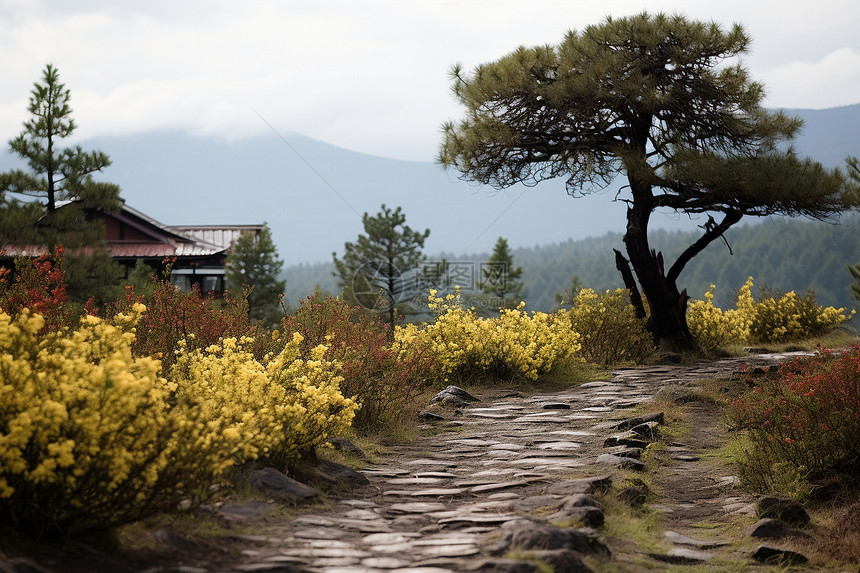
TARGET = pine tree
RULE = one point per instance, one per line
(499, 277)
(654, 99)
(382, 271)
(253, 261)
(57, 189)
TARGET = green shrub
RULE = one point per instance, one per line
(610, 331)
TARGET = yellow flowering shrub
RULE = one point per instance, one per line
(713, 327)
(793, 317)
(230, 410)
(236, 409)
(313, 409)
(610, 331)
(85, 429)
(92, 436)
(772, 320)
(516, 343)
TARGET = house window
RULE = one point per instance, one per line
(209, 280)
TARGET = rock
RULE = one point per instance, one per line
(535, 502)
(634, 493)
(589, 516)
(618, 461)
(757, 372)
(626, 452)
(682, 556)
(679, 539)
(277, 485)
(426, 416)
(786, 510)
(454, 396)
(658, 417)
(581, 500)
(647, 431)
(563, 561)
(773, 529)
(526, 535)
(344, 445)
(628, 439)
(556, 406)
(765, 554)
(583, 485)
(243, 512)
(338, 475)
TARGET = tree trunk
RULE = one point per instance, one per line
(668, 318)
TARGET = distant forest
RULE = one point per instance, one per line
(781, 254)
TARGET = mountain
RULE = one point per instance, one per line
(313, 194)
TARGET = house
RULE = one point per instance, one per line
(198, 252)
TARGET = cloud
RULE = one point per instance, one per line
(832, 81)
(370, 76)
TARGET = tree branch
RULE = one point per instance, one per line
(711, 234)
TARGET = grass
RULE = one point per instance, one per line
(542, 567)
(842, 337)
(640, 526)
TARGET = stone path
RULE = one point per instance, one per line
(453, 501)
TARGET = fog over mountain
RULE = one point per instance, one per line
(313, 194)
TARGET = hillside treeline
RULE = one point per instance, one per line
(781, 254)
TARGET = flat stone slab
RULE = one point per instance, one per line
(682, 556)
(539, 419)
(442, 475)
(246, 511)
(600, 409)
(314, 520)
(429, 462)
(440, 491)
(472, 442)
(506, 446)
(319, 533)
(386, 472)
(389, 538)
(416, 507)
(583, 485)
(498, 486)
(680, 539)
(449, 550)
(414, 481)
(384, 563)
(621, 462)
(559, 446)
(481, 519)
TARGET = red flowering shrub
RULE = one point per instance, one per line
(801, 421)
(172, 315)
(384, 383)
(40, 285)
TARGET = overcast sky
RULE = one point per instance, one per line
(370, 76)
